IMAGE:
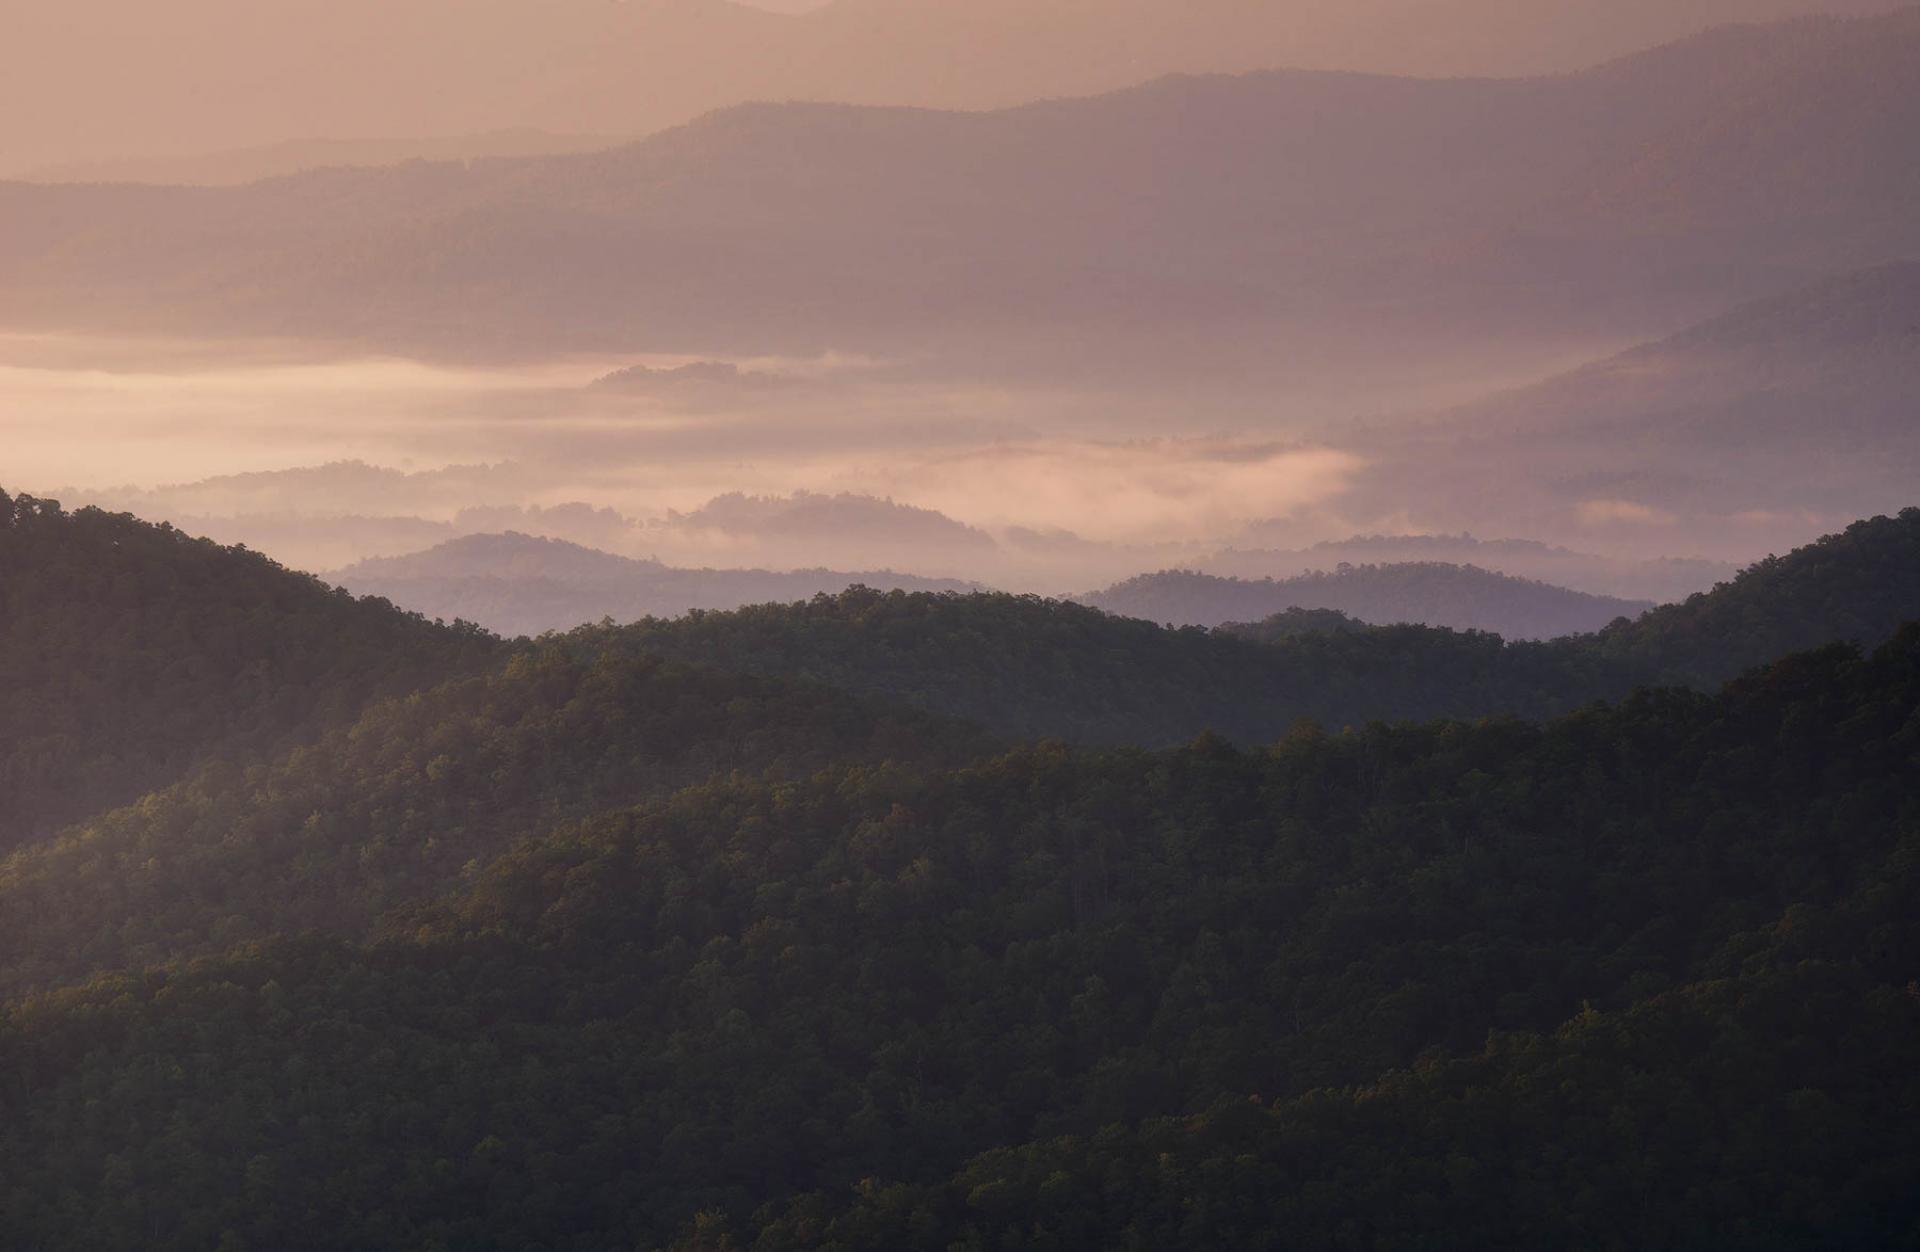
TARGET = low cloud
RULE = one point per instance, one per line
(1133, 492)
(1621, 512)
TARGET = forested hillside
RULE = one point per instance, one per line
(1427, 593)
(129, 653)
(1858, 585)
(1664, 1126)
(1029, 667)
(676, 832)
(723, 1010)
(589, 947)
(393, 808)
(1259, 554)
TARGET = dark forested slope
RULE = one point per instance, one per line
(394, 807)
(1715, 1116)
(1859, 585)
(750, 991)
(130, 652)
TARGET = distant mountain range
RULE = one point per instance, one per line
(520, 585)
(1461, 597)
(331, 516)
(1659, 580)
(94, 79)
(1194, 220)
(1739, 432)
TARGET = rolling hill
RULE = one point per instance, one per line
(584, 942)
(1460, 597)
(131, 655)
(388, 805)
(1614, 974)
(391, 809)
(1030, 668)
(1658, 579)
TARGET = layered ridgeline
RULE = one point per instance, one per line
(1761, 154)
(366, 68)
(393, 808)
(130, 653)
(1460, 597)
(390, 807)
(1031, 667)
(521, 585)
(1659, 580)
(715, 1015)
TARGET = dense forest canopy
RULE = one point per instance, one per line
(657, 824)
(579, 944)
(394, 807)
(744, 999)
(130, 653)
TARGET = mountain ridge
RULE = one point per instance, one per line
(1460, 597)
(523, 585)
(1263, 234)
(576, 67)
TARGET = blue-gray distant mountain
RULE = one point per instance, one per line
(521, 585)
(1462, 597)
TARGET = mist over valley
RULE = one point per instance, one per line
(959, 624)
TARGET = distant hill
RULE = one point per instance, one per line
(1657, 579)
(131, 654)
(335, 489)
(1462, 597)
(1741, 431)
(327, 517)
(1306, 201)
(520, 585)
